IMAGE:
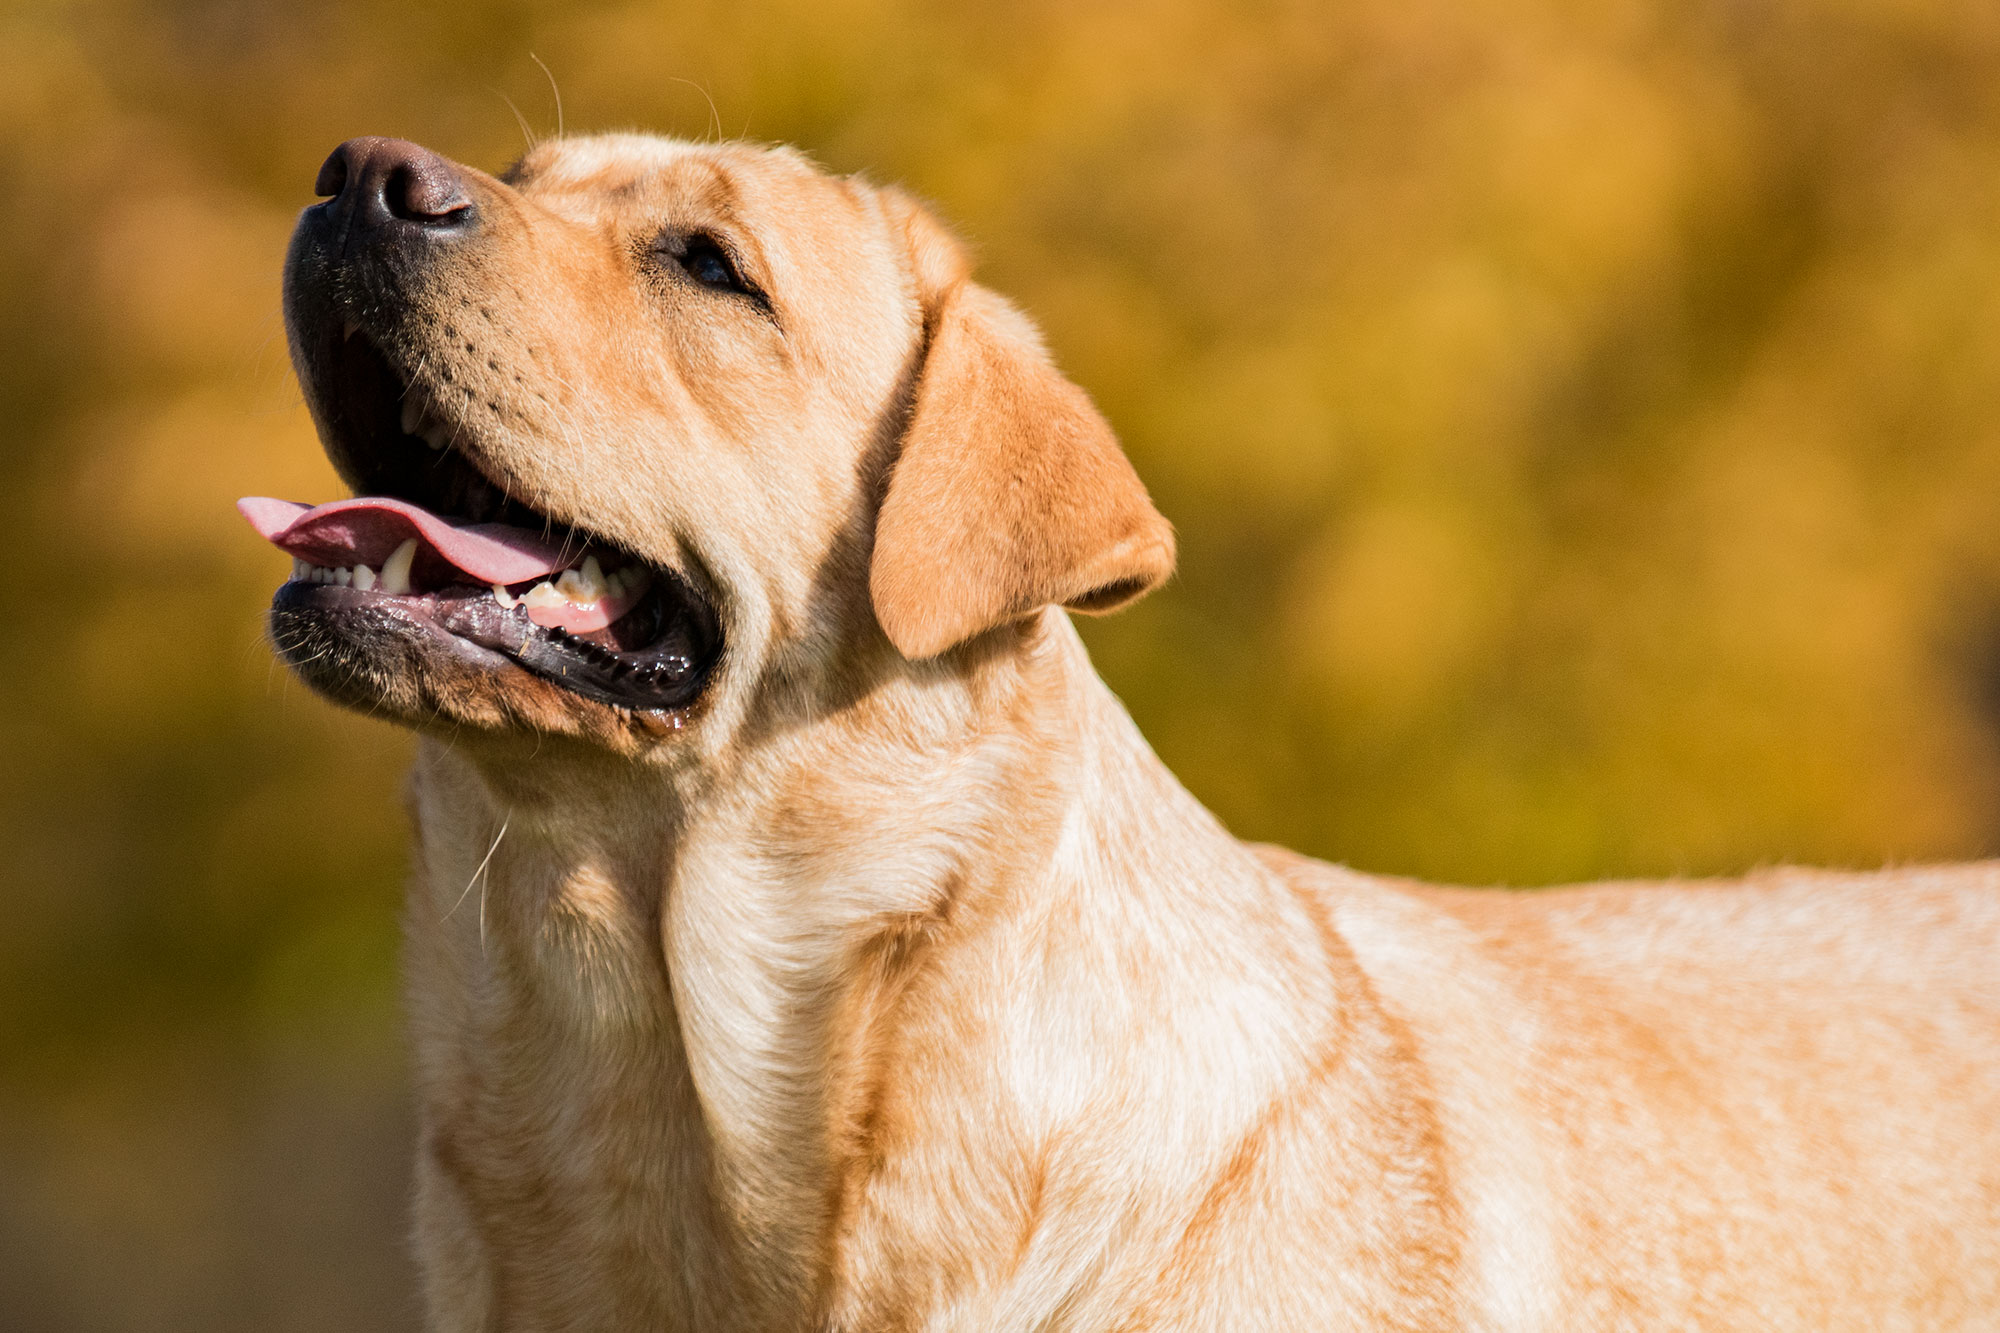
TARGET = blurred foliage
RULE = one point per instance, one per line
(1582, 420)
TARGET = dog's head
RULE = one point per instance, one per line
(657, 430)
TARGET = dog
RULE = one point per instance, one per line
(802, 937)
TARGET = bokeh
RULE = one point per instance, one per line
(1581, 417)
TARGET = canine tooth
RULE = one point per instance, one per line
(364, 577)
(396, 569)
(543, 594)
(343, 577)
(413, 413)
(505, 598)
(436, 434)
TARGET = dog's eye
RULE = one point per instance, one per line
(709, 264)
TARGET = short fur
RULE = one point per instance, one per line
(901, 987)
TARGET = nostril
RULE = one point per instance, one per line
(424, 189)
(332, 174)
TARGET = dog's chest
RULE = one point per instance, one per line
(564, 1165)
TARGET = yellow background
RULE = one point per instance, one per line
(1582, 421)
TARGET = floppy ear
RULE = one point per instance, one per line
(1010, 492)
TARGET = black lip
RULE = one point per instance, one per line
(666, 673)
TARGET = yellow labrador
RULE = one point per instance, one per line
(803, 938)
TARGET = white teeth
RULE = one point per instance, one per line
(396, 569)
(413, 413)
(584, 585)
(301, 571)
(364, 577)
(343, 577)
(543, 594)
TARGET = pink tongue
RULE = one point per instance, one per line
(366, 531)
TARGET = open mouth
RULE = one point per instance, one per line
(436, 549)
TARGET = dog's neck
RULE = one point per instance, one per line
(756, 968)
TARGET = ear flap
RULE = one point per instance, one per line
(1010, 492)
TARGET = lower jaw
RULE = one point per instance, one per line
(468, 629)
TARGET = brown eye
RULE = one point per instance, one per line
(711, 265)
(707, 264)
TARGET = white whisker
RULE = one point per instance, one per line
(552, 88)
(519, 119)
(477, 877)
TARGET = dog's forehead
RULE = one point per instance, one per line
(634, 176)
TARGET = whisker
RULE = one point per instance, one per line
(552, 88)
(475, 879)
(714, 113)
(519, 119)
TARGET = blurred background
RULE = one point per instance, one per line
(1581, 417)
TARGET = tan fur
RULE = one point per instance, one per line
(901, 987)
(1009, 492)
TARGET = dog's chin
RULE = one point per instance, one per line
(438, 652)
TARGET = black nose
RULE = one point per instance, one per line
(377, 182)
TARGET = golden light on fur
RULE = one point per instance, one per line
(897, 985)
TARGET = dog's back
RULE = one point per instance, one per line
(1778, 1095)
